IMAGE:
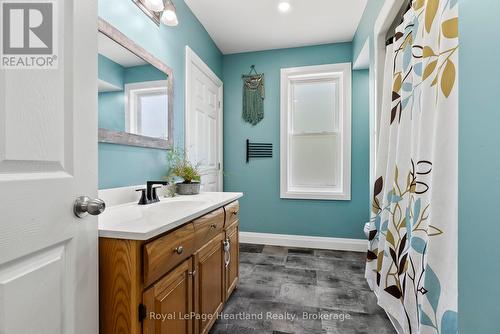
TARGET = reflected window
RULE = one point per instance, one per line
(146, 108)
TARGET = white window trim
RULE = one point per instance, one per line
(343, 71)
(130, 101)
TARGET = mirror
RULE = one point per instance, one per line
(134, 93)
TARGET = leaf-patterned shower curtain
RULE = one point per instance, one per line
(412, 257)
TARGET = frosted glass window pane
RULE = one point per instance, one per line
(153, 115)
(314, 160)
(314, 107)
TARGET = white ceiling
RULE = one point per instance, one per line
(117, 53)
(254, 25)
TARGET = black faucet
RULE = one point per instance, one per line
(149, 194)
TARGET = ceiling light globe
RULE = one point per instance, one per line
(169, 18)
(154, 5)
(169, 15)
(284, 6)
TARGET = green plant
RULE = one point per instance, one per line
(182, 168)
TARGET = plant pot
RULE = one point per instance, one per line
(188, 188)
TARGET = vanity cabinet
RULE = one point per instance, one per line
(175, 283)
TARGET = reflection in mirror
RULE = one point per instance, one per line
(133, 96)
(132, 93)
(145, 108)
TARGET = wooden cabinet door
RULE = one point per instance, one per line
(210, 287)
(169, 302)
(232, 261)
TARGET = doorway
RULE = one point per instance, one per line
(203, 117)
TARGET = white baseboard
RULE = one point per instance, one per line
(286, 240)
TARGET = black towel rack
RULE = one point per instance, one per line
(259, 150)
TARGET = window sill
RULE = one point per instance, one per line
(327, 196)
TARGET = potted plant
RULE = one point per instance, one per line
(187, 174)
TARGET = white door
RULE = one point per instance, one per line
(48, 157)
(204, 121)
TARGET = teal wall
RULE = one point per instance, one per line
(479, 167)
(126, 165)
(365, 28)
(111, 109)
(262, 210)
(111, 105)
(110, 71)
(143, 73)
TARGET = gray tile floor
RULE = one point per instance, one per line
(287, 290)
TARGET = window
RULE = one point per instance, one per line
(147, 109)
(316, 132)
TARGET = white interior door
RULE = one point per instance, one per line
(204, 121)
(48, 157)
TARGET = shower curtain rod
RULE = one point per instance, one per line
(390, 40)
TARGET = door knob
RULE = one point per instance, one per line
(85, 205)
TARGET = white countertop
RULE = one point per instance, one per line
(142, 222)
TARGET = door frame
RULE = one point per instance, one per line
(192, 59)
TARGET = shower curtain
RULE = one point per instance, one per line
(412, 256)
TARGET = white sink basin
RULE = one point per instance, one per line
(142, 222)
(165, 209)
(150, 213)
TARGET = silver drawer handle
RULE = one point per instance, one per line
(228, 261)
(179, 250)
(227, 253)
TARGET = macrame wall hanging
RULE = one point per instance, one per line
(253, 96)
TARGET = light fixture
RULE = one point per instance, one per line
(154, 5)
(160, 11)
(169, 15)
(284, 6)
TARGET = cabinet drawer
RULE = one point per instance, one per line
(208, 226)
(232, 210)
(163, 254)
